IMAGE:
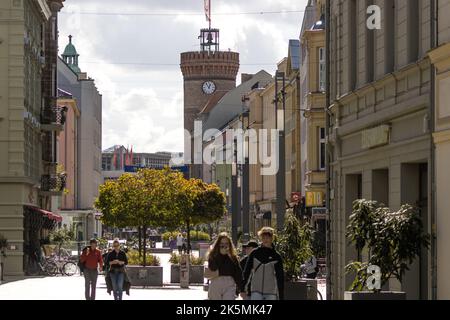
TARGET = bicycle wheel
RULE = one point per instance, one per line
(50, 268)
(70, 269)
(320, 295)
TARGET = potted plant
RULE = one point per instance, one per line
(148, 274)
(294, 245)
(3, 246)
(196, 269)
(393, 240)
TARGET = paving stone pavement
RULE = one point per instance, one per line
(72, 288)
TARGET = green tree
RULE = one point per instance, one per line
(393, 240)
(62, 236)
(294, 244)
(196, 203)
(142, 200)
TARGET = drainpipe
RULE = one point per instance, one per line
(434, 44)
(328, 153)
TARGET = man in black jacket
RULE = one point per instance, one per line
(248, 249)
(263, 271)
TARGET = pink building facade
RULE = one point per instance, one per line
(67, 151)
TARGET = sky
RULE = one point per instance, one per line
(133, 53)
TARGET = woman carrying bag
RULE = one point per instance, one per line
(117, 260)
(224, 271)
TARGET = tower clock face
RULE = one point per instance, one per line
(209, 87)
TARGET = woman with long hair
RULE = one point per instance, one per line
(223, 261)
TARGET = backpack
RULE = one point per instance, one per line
(81, 264)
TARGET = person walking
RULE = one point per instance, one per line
(92, 261)
(180, 243)
(311, 268)
(223, 261)
(184, 245)
(117, 260)
(264, 269)
(248, 249)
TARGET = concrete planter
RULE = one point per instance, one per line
(295, 290)
(379, 296)
(145, 276)
(196, 274)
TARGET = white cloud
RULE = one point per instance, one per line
(142, 102)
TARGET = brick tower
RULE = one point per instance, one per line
(208, 75)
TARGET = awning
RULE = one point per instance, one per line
(50, 215)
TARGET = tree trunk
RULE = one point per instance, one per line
(140, 241)
(145, 244)
(188, 237)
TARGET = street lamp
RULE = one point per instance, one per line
(235, 203)
(246, 175)
(280, 123)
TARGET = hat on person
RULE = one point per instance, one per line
(250, 244)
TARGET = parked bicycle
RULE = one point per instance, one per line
(64, 265)
(39, 265)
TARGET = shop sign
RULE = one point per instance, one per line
(376, 137)
(314, 198)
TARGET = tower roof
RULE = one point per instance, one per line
(70, 56)
(70, 49)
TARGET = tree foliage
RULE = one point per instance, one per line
(393, 240)
(159, 198)
(295, 244)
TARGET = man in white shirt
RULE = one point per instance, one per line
(311, 267)
(180, 243)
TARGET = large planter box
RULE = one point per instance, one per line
(295, 290)
(196, 274)
(145, 276)
(379, 296)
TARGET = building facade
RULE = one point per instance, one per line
(440, 58)
(29, 123)
(313, 133)
(68, 149)
(88, 159)
(380, 133)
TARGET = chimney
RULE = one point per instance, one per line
(82, 76)
(245, 77)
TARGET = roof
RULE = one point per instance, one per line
(70, 49)
(64, 94)
(230, 105)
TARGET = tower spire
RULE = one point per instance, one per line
(70, 56)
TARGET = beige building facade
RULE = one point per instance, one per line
(29, 123)
(440, 58)
(312, 104)
(380, 134)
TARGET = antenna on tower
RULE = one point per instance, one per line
(208, 11)
(209, 38)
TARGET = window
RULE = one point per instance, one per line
(322, 148)
(322, 66)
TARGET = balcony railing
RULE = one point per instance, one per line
(54, 183)
(53, 118)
